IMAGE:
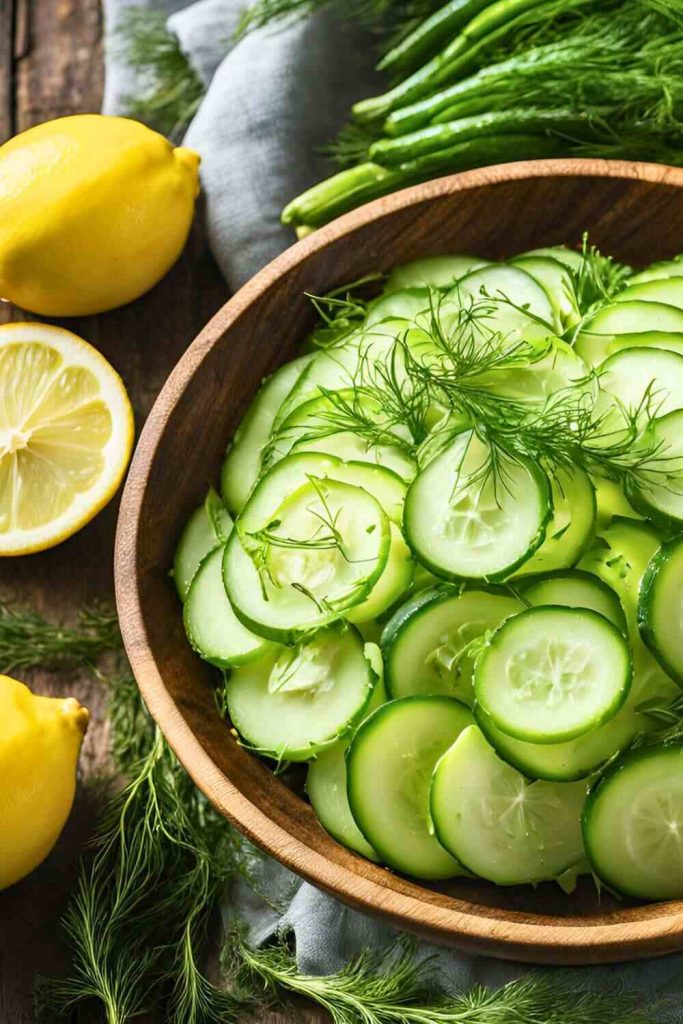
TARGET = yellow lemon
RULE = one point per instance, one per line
(93, 212)
(66, 434)
(40, 740)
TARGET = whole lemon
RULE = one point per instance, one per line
(94, 211)
(40, 740)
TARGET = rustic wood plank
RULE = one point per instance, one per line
(6, 68)
(61, 72)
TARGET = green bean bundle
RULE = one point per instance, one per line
(520, 79)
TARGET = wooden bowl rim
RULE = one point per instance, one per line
(640, 931)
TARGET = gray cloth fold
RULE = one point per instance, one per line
(272, 102)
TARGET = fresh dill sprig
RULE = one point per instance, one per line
(27, 639)
(341, 312)
(669, 718)
(387, 18)
(139, 919)
(169, 89)
(352, 143)
(396, 987)
(598, 278)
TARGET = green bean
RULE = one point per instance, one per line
(481, 152)
(430, 34)
(410, 119)
(394, 152)
(485, 83)
(339, 193)
(462, 54)
(368, 181)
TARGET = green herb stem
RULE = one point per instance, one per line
(27, 639)
(395, 987)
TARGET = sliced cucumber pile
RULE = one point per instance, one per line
(454, 581)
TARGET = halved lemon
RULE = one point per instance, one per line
(66, 434)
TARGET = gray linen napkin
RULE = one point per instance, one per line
(272, 101)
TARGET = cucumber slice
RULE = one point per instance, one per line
(554, 673)
(326, 778)
(396, 578)
(571, 527)
(344, 424)
(627, 317)
(196, 541)
(556, 280)
(666, 290)
(564, 762)
(326, 789)
(660, 607)
(218, 515)
(389, 767)
(611, 501)
(504, 281)
(638, 383)
(616, 327)
(212, 627)
(340, 366)
(559, 367)
(383, 484)
(276, 486)
(242, 463)
(404, 305)
(461, 523)
(351, 448)
(573, 588)
(594, 349)
(432, 272)
(569, 257)
(580, 758)
(658, 271)
(658, 494)
(498, 824)
(308, 560)
(425, 645)
(633, 825)
(294, 702)
(619, 556)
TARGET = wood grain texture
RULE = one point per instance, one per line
(51, 65)
(633, 211)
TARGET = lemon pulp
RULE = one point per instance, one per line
(66, 432)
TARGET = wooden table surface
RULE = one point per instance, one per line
(51, 65)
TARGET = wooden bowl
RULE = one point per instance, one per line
(634, 212)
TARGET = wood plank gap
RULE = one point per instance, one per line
(7, 70)
(22, 30)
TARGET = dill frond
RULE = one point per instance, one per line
(393, 986)
(387, 18)
(139, 918)
(666, 717)
(352, 144)
(28, 640)
(170, 90)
